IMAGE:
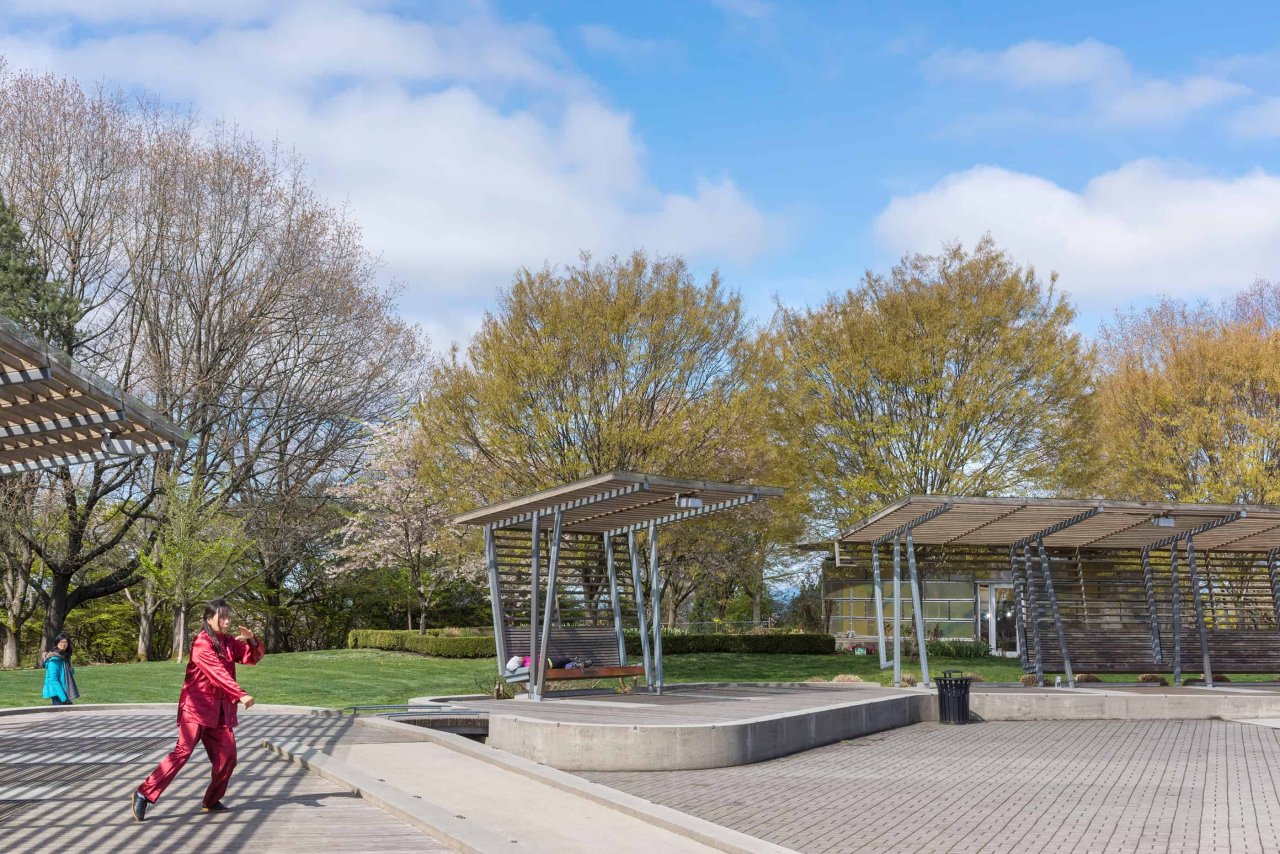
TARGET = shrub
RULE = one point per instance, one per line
(958, 648)
(846, 677)
(1028, 680)
(975, 677)
(411, 641)
(816, 679)
(1087, 677)
(909, 680)
(686, 644)
(1153, 678)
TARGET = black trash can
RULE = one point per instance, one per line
(953, 697)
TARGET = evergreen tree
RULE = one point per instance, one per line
(27, 295)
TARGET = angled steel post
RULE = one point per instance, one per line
(1274, 578)
(495, 596)
(1199, 606)
(897, 614)
(1177, 614)
(614, 599)
(535, 561)
(879, 597)
(655, 591)
(918, 607)
(1045, 570)
(1033, 615)
(553, 565)
(1148, 581)
(1020, 609)
(641, 617)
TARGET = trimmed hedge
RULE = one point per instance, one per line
(958, 648)
(672, 644)
(411, 641)
(683, 644)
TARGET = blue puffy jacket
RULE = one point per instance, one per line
(59, 679)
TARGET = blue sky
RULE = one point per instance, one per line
(791, 146)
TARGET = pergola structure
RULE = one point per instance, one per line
(55, 412)
(1067, 557)
(585, 534)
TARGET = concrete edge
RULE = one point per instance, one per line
(423, 815)
(818, 686)
(259, 708)
(699, 830)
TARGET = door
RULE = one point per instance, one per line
(999, 623)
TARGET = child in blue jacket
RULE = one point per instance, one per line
(59, 675)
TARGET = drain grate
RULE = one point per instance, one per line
(40, 749)
(53, 774)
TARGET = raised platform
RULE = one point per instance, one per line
(694, 726)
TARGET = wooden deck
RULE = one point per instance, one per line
(66, 780)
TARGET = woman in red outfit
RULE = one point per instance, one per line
(207, 708)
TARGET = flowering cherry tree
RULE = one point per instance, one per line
(399, 519)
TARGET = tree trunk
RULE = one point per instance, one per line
(55, 616)
(178, 648)
(272, 631)
(146, 620)
(9, 661)
(756, 595)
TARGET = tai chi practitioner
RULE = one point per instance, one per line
(207, 708)
(59, 675)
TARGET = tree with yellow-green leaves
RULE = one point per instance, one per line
(623, 364)
(1189, 402)
(954, 373)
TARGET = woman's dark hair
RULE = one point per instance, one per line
(217, 606)
(62, 636)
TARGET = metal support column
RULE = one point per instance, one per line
(1199, 605)
(1274, 577)
(897, 615)
(535, 569)
(641, 617)
(879, 597)
(655, 591)
(614, 599)
(553, 565)
(1020, 609)
(1153, 616)
(495, 596)
(1177, 614)
(1057, 613)
(1033, 615)
(918, 607)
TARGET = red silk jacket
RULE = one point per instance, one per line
(209, 692)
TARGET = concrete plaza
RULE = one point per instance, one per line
(1054, 786)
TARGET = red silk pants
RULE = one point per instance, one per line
(219, 742)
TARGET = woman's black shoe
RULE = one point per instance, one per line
(218, 807)
(140, 805)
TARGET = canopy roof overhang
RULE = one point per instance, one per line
(1070, 523)
(618, 502)
(55, 412)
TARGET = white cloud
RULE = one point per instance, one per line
(1258, 121)
(607, 41)
(465, 149)
(753, 9)
(1116, 93)
(1148, 227)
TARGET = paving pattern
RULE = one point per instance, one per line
(1053, 786)
(66, 780)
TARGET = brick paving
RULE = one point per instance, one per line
(1055, 786)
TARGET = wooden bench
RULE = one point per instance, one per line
(598, 645)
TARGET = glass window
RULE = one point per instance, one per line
(962, 610)
(948, 590)
(936, 610)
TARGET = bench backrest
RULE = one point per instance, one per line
(596, 643)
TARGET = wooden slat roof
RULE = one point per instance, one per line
(54, 411)
(617, 501)
(1116, 524)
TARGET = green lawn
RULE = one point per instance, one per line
(345, 677)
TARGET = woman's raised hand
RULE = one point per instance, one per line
(246, 634)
